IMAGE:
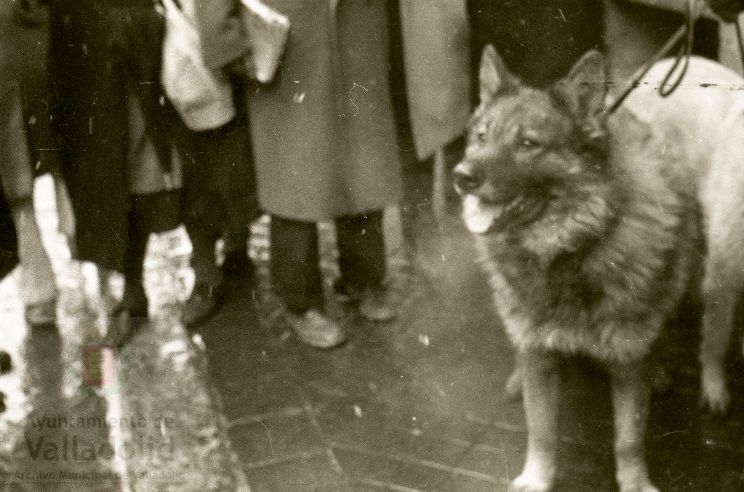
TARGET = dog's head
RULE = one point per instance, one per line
(530, 151)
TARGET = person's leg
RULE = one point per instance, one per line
(296, 279)
(135, 300)
(199, 217)
(220, 194)
(361, 248)
(203, 233)
(235, 263)
(230, 162)
(362, 263)
(295, 264)
(203, 217)
(152, 213)
(37, 283)
(151, 170)
(38, 289)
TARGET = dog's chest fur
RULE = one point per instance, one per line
(608, 296)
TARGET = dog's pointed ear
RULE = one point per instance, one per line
(495, 78)
(585, 87)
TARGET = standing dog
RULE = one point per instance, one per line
(589, 227)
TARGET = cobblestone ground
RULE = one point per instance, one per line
(417, 404)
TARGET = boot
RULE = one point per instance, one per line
(208, 294)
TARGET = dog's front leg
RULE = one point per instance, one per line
(630, 399)
(540, 386)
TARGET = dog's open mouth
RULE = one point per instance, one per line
(482, 216)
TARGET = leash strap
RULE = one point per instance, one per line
(685, 51)
(684, 32)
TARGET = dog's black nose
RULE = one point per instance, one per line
(467, 177)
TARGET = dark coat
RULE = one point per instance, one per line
(98, 55)
(21, 67)
(22, 58)
(436, 40)
(323, 132)
(16, 176)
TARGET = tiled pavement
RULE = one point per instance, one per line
(417, 404)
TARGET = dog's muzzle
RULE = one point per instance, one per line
(467, 178)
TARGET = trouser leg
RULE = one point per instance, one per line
(202, 255)
(219, 193)
(295, 264)
(361, 249)
(151, 213)
(202, 216)
(232, 175)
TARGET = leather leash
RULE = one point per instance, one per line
(684, 32)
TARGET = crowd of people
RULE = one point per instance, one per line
(318, 143)
(366, 92)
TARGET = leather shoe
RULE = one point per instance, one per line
(316, 329)
(378, 304)
(204, 303)
(129, 316)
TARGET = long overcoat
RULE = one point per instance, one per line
(436, 46)
(102, 52)
(16, 176)
(323, 132)
(22, 85)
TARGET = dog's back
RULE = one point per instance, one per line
(704, 117)
(707, 91)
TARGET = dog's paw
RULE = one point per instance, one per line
(530, 482)
(715, 398)
(632, 475)
(644, 486)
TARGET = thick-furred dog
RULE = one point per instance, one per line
(590, 227)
